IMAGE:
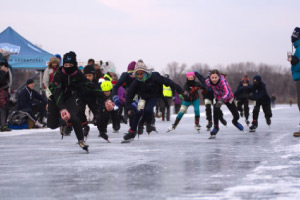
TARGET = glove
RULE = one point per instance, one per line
(109, 105)
(117, 101)
(134, 105)
(173, 98)
(181, 96)
(294, 60)
(65, 115)
(186, 94)
(219, 103)
(194, 89)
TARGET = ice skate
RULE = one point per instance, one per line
(129, 136)
(213, 133)
(171, 128)
(253, 128)
(86, 130)
(209, 125)
(104, 136)
(268, 120)
(83, 145)
(239, 126)
(197, 127)
(150, 128)
(296, 134)
(247, 122)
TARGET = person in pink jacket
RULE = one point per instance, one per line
(223, 94)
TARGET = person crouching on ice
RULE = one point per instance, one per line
(191, 96)
(105, 112)
(223, 94)
(68, 83)
(149, 86)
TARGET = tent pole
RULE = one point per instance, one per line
(41, 82)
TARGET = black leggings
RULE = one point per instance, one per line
(245, 103)
(103, 118)
(266, 108)
(53, 119)
(218, 113)
(81, 109)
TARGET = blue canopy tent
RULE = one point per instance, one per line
(23, 54)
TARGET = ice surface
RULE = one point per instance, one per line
(181, 165)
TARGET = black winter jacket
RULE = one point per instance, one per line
(193, 89)
(125, 80)
(26, 98)
(64, 86)
(152, 87)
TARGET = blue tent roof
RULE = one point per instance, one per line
(23, 54)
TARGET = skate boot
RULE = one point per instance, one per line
(214, 132)
(140, 129)
(247, 122)
(296, 134)
(4, 128)
(197, 126)
(104, 136)
(129, 136)
(37, 124)
(239, 126)
(68, 130)
(150, 128)
(253, 128)
(268, 120)
(223, 121)
(86, 130)
(209, 125)
(83, 145)
(172, 128)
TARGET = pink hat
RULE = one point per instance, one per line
(190, 74)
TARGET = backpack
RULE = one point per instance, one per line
(17, 118)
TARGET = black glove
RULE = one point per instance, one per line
(219, 103)
(295, 60)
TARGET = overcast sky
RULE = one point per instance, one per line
(158, 31)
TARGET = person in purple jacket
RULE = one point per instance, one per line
(122, 96)
(223, 94)
(177, 103)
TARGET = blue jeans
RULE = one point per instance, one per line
(146, 114)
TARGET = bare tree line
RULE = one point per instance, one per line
(278, 79)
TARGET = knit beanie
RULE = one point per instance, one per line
(296, 34)
(190, 74)
(131, 66)
(29, 81)
(140, 66)
(89, 69)
(70, 58)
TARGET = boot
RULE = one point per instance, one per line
(296, 134)
(197, 126)
(38, 124)
(239, 126)
(68, 130)
(86, 130)
(140, 129)
(268, 120)
(130, 135)
(253, 127)
(214, 131)
(171, 128)
(209, 125)
(103, 135)
(83, 145)
(150, 128)
(4, 128)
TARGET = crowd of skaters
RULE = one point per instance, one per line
(131, 98)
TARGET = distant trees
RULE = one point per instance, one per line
(278, 79)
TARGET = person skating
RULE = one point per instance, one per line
(241, 96)
(148, 85)
(87, 100)
(223, 94)
(104, 112)
(208, 98)
(166, 101)
(191, 97)
(295, 66)
(62, 94)
(260, 96)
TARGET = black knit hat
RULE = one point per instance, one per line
(70, 58)
(29, 81)
(89, 69)
(296, 34)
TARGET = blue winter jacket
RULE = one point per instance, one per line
(296, 68)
